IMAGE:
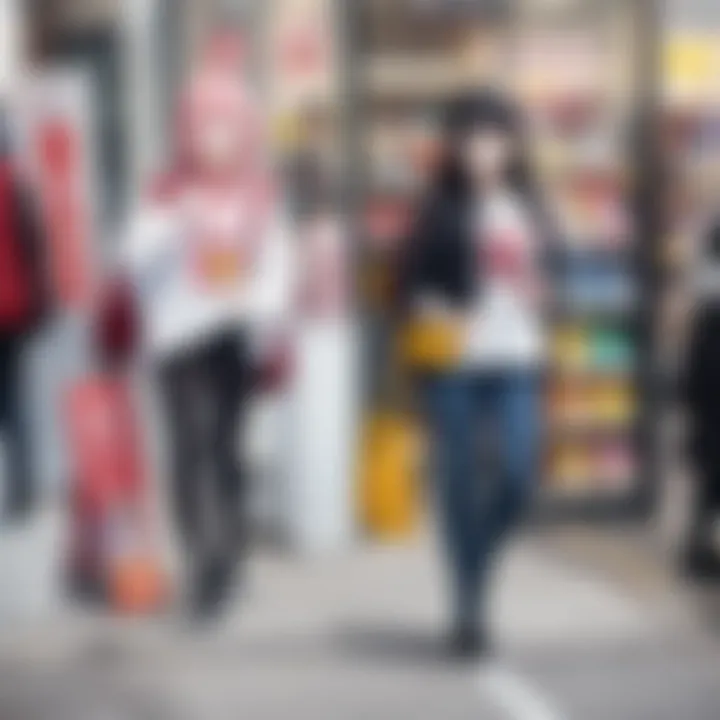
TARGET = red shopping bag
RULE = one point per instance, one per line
(111, 524)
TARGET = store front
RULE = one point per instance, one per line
(585, 75)
(690, 115)
(354, 107)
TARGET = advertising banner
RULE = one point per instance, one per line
(302, 53)
(691, 67)
(113, 552)
(58, 133)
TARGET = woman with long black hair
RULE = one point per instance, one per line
(477, 263)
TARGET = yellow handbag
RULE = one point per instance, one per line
(432, 343)
(389, 499)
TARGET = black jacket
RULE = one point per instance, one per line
(22, 230)
(701, 384)
(440, 255)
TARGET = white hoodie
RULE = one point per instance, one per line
(178, 312)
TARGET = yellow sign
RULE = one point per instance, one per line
(691, 66)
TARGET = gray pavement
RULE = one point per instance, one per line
(360, 636)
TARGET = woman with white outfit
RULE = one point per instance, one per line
(210, 261)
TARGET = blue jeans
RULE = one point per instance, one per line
(476, 417)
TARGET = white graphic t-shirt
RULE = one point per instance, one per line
(505, 325)
(199, 272)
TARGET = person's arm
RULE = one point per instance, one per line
(272, 288)
(692, 380)
(417, 291)
(272, 293)
(144, 254)
(34, 242)
(146, 248)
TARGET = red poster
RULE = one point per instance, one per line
(104, 443)
(60, 165)
(112, 552)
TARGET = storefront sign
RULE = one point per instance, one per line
(691, 67)
(557, 67)
(58, 130)
(103, 438)
(301, 49)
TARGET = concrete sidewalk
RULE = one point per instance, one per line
(544, 595)
(30, 561)
(360, 636)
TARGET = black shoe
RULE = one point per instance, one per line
(85, 587)
(469, 642)
(212, 588)
(701, 563)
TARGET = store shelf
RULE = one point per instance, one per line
(559, 372)
(595, 315)
(584, 488)
(591, 430)
(584, 170)
(411, 78)
(613, 255)
(553, 507)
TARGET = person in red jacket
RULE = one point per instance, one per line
(23, 301)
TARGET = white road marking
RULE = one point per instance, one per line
(515, 696)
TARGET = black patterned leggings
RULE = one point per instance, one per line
(205, 391)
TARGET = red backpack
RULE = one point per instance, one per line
(18, 297)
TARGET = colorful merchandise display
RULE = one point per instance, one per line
(576, 72)
(577, 87)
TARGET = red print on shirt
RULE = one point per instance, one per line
(504, 254)
(225, 228)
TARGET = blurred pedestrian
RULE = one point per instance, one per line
(211, 263)
(24, 302)
(475, 267)
(701, 556)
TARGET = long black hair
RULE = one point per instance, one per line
(475, 111)
(442, 211)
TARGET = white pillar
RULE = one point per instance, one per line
(140, 38)
(11, 44)
(321, 448)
